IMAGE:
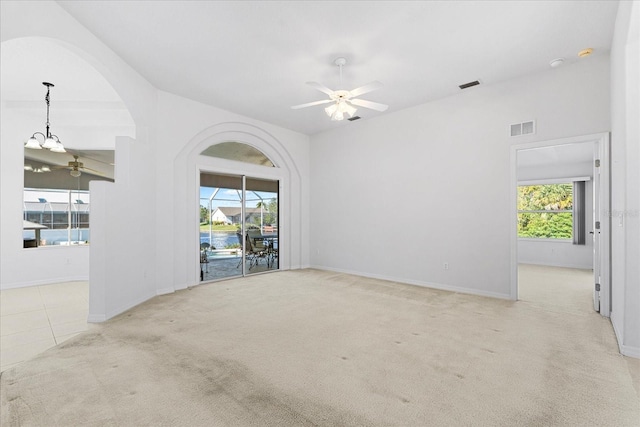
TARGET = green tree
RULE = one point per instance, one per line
(273, 211)
(545, 211)
(270, 211)
(204, 215)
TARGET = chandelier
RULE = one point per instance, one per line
(50, 141)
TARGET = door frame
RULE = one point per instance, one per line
(212, 165)
(601, 140)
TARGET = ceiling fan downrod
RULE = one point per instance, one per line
(340, 62)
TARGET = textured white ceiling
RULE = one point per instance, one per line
(254, 58)
(86, 112)
(27, 62)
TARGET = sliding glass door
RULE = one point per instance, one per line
(238, 226)
(261, 225)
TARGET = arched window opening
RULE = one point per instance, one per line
(239, 152)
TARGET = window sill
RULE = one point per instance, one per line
(546, 240)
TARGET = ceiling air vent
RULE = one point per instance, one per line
(470, 84)
(353, 118)
(524, 128)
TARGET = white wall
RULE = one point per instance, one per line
(186, 128)
(553, 252)
(443, 168)
(123, 239)
(18, 266)
(138, 253)
(22, 267)
(625, 179)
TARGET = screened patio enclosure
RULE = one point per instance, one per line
(62, 217)
(238, 225)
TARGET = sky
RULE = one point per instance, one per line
(230, 198)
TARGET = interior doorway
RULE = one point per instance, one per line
(239, 226)
(589, 250)
(558, 289)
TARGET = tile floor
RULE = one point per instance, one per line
(36, 318)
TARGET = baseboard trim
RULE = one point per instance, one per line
(559, 265)
(96, 318)
(165, 291)
(625, 350)
(629, 351)
(53, 281)
(616, 332)
(431, 285)
(183, 286)
(113, 313)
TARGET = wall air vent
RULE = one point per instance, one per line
(524, 128)
(468, 85)
(353, 118)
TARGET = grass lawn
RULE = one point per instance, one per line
(229, 228)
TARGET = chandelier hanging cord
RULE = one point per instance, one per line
(51, 142)
(47, 99)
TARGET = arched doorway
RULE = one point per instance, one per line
(191, 163)
(40, 190)
(239, 219)
(86, 114)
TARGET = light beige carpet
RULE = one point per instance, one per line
(314, 348)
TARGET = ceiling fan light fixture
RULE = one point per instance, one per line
(330, 110)
(342, 100)
(349, 109)
(338, 110)
(75, 173)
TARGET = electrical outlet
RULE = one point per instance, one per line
(445, 266)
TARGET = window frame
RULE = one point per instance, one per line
(75, 217)
(554, 181)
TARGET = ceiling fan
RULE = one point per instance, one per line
(75, 167)
(344, 100)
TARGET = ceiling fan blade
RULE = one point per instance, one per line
(369, 104)
(93, 171)
(311, 104)
(369, 87)
(321, 88)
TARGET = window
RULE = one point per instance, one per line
(56, 217)
(546, 211)
(239, 152)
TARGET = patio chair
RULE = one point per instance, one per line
(256, 249)
(204, 258)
